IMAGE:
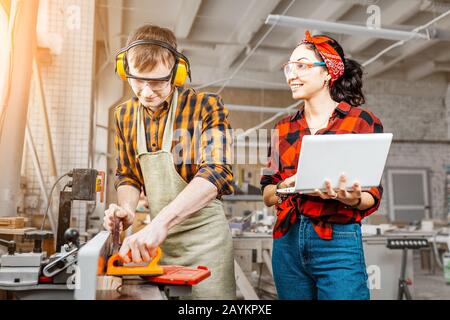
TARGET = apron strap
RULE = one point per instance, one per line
(168, 130)
(141, 138)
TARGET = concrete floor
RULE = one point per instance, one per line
(429, 286)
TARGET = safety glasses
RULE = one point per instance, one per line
(298, 67)
(156, 84)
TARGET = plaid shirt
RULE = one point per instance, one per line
(201, 137)
(283, 160)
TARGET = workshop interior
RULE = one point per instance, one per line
(59, 91)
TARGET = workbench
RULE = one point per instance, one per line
(89, 272)
(132, 290)
(253, 253)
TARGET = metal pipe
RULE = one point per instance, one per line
(247, 108)
(343, 28)
(53, 171)
(23, 27)
(37, 167)
(43, 107)
(267, 121)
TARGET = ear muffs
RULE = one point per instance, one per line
(180, 73)
(181, 69)
(120, 66)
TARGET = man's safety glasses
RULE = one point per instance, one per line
(298, 67)
(156, 84)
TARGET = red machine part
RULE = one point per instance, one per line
(179, 275)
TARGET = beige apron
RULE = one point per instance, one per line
(202, 239)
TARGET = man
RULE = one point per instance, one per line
(175, 144)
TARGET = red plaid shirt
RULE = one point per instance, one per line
(283, 160)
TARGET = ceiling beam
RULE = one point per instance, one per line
(186, 18)
(328, 10)
(213, 46)
(422, 70)
(434, 6)
(409, 49)
(206, 76)
(250, 24)
(249, 108)
(115, 25)
(394, 13)
(343, 28)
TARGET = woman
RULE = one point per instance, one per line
(317, 249)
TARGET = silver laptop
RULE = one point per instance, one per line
(361, 157)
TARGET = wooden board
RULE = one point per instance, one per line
(12, 222)
(15, 231)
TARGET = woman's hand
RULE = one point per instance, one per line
(288, 182)
(350, 198)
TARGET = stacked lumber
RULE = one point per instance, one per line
(12, 222)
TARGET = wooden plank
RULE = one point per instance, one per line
(107, 283)
(129, 290)
(15, 231)
(12, 222)
(244, 284)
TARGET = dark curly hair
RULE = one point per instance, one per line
(348, 87)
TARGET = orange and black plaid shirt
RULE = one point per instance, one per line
(201, 144)
(283, 160)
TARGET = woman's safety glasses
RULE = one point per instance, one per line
(298, 67)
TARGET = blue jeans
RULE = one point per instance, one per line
(306, 267)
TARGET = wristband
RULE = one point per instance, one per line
(281, 197)
(278, 184)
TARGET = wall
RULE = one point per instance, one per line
(67, 81)
(108, 91)
(416, 113)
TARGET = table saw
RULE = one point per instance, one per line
(78, 273)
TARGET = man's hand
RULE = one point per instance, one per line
(125, 216)
(144, 243)
(197, 194)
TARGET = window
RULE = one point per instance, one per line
(408, 194)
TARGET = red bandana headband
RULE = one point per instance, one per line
(332, 59)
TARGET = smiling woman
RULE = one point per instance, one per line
(315, 224)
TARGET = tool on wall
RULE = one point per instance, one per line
(33, 269)
(84, 185)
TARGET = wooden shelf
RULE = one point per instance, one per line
(15, 231)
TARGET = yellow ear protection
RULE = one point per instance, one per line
(181, 70)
